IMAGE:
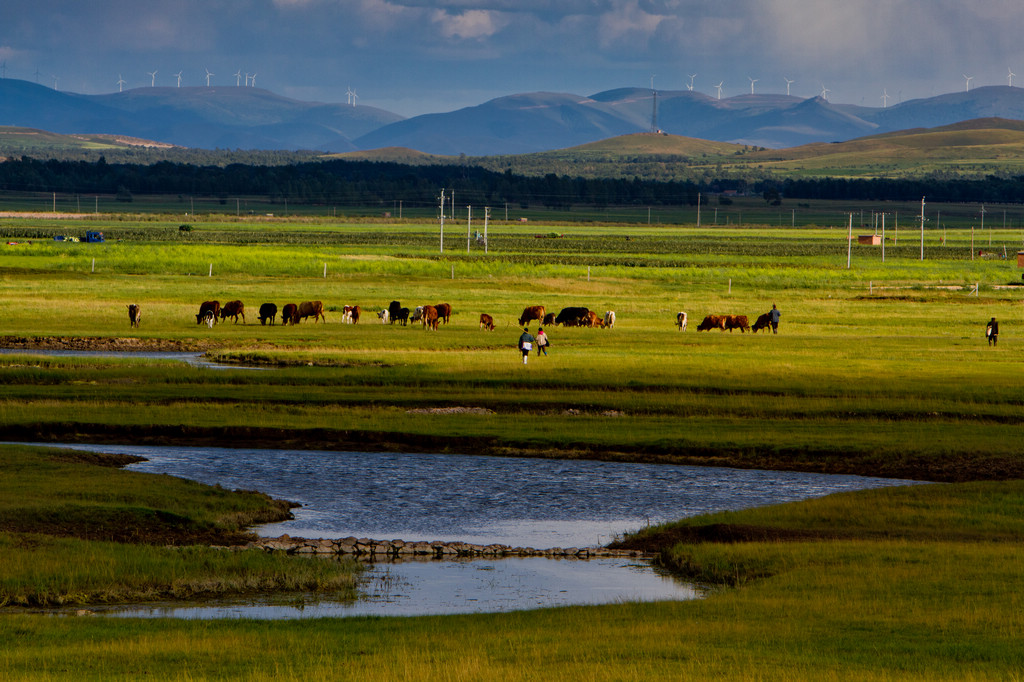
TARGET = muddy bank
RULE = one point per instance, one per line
(949, 469)
(125, 344)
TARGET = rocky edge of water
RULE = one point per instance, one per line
(389, 549)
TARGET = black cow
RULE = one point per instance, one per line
(572, 317)
(268, 311)
(393, 311)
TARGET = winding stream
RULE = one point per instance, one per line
(508, 500)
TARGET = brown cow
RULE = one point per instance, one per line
(356, 312)
(549, 320)
(486, 322)
(592, 319)
(736, 322)
(533, 312)
(429, 317)
(712, 322)
(307, 308)
(208, 307)
(681, 320)
(288, 314)
(134, 314)
(764, 321)
(233, 309)
(444, 311)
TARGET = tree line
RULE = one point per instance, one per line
(343, 182)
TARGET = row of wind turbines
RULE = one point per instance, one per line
(250, 79)
(250, 82)
(824, 91)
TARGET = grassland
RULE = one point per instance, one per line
(881, 368)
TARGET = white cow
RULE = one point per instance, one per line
(681, 321)
(609, 319)
(417, 314)
(209, 319)
(384, 316)
(346, 315)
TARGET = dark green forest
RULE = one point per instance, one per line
(367, 182)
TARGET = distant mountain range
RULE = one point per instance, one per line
(252, 118)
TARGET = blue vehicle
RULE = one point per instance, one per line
(94, 237)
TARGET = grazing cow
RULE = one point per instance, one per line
(355, 313)
(383, 315)
(592, 319)
(764, 321)
(712, 322)
(268, 311)
(233, 309)
(417, 314)
(288, 314)
(429, 317)
(134, 314)
(402, 316)
(681, 321)
(208, 306)
(549, 320)
(609, 319)
(486, 322)
(393, 309)
(444, 311)
(209, 319)
(307, 309)
(572, 317)
(736, 322)
(533, 312)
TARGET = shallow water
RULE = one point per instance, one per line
(509, 500)
(193, 359)
(514, 501)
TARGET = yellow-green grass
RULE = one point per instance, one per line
(927, 601)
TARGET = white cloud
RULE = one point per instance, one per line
(470, 25)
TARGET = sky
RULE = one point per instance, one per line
(415, 57)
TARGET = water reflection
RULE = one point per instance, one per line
(447, 587)
(507, 500)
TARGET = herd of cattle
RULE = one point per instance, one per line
(432, 315)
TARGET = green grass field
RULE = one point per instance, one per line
(879, 369)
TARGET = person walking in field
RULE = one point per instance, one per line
(526, 341)
(992, 332)
(773, 316)
(542, 342)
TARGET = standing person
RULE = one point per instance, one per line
(542, 342)
(526, 343)
(773, 315)
(992, 332)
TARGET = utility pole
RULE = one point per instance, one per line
(922, 228)
(469, 223)
(442, 220)
(698, 209)
(487, 216)
(849, 243)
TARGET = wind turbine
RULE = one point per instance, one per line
(752, 81)
(690, 86)
(885, 98)
(120, 83)
(152, 76)
(54, 82)
(1010, 74)
(788, 83)
(719, 88)
(968, 79)
(238, 78)
(354, 97)
(254, 79)
(208, 74)
(824, 92)
(179, 78)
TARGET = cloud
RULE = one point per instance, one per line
(473, 24)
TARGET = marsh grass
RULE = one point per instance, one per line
(59, 511)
